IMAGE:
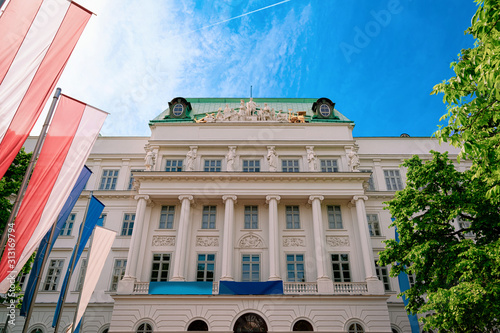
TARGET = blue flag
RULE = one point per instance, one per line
(93, 212)
(404, 285)
(63, 216)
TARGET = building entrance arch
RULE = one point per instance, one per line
(250, 322)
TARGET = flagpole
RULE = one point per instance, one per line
(80, 293)
(70, 273)
(27, 175)
(39, 278)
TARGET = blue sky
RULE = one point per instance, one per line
(377, 60)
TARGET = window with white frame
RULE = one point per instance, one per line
(373, 224)
(167, 217)
(108, 179)
(356, 328)
(68, 225)
(250, 268)
(371, 182)
(21, 278)
(462, 224)
(144, 328)
(290, 165)
(208, 217)
(295, 268)
(212, 165)
(160, 268)
(383, 275)
(118, 273)
(292, 217)
(53, 274)
(251, 217)
(251, 165)
(412, 279)
(206, 267)
(81, 275)
(341, 267)
(131, 179)
(128, 224)
(334, 217)
(173, 165)
(329, 165)
(393, 180)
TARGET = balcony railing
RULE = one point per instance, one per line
(289, 288)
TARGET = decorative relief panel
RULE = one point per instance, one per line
(251, 242)
(335, 241)
(207, 241)
(294, 241)
(163, 241)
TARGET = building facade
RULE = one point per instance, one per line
(240, 216)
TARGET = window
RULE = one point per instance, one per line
(206, 267)
(167, 217)
(290, 165)
(131, 180)
(103, 218)
(373, 224)
(383, 275)
(118, 273)
(251, 217)
(108, 179)
(356, 328)
(144, 328)
(329, 166)
(36, 330)
(250, 269)
(53, 274)
(295, 268)
(393, 180)
(68, 226)
(198, 325)
(340, 265)
(251, 166)
(212, 165)
(412, 279)
(208, 218)
(173, 165)
(21, 278)
(128, 224)
(81, 276)
(334, 217)
(292, 217)
(302, 325)
(462, 224)
(371, 183)
(161, 265)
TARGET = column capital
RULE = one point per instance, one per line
(316, 197)
(141, 196)
(229, 196)
(272, 197)
(186, 196)
(359, 197)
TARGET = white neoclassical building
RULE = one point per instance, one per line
(261, 215)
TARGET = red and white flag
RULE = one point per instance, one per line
(71, 136)
(36, 40)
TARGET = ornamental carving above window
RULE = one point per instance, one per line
(251, 242)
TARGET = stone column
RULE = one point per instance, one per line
(228, 237)
(366, 245)
(181, 239)
(274, 252)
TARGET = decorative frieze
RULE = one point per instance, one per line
(163, 241)
(251, 242)
(336, 241)
(207, 241)
(294, 241)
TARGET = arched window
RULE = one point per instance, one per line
(198, 325)
(356, 328)
(37, 330)
(302, 325)
(250, 322)
(395, 330)
(144, 328)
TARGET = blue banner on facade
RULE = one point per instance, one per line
(180, 288)
(251, 288)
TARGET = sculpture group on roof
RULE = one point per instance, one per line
(249, 111)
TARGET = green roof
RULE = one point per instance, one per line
(202, 106)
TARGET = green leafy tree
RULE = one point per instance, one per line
(457, 268)
(9, 186)
(473, 98)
